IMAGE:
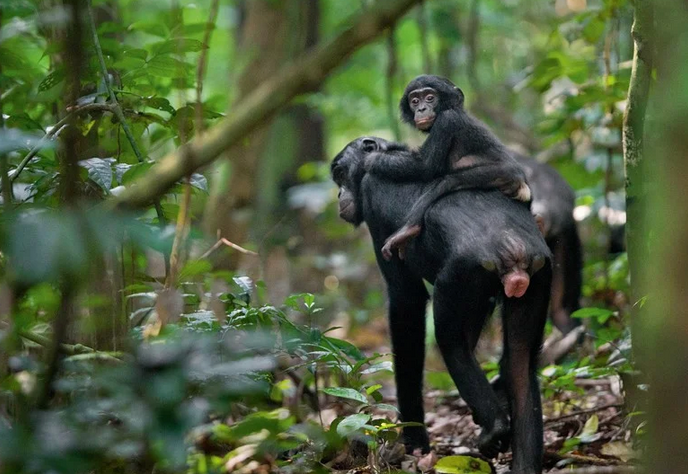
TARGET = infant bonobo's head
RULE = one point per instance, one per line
(427, 96)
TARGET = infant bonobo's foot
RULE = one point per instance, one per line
(495, 440)
(398, 241)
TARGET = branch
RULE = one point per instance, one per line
(68, 349)
(71, 113)
(117, 109)
(269, 97)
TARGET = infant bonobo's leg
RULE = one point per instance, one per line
(398, 241)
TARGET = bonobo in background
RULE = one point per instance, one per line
(553, 202)
(472, 242)
(459, 147)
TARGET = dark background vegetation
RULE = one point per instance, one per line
(172, 260)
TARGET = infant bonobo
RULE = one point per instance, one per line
(459, 148)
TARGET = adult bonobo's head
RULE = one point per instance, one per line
(348, 170)
(425, 97)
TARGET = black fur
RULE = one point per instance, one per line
(554, 201)
(459, 147)
(462, 232)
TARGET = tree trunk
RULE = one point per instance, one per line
(664, 331)
(267, 38)
(633, 144)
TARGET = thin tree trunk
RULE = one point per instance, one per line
(633, 142)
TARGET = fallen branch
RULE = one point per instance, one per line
(558, 348)
(301, 76)
(69, 349)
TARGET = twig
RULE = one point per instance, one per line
(226, 242)
(71, 113)
(584, 412)
(297, 77)
(117, 109)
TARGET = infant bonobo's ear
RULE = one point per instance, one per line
(369, 145)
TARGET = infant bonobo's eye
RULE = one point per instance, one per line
(369, 145)
(429, 98)
(415, 101)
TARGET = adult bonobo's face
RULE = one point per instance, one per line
(348, 171)
(423, 104)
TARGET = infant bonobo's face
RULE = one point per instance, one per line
(423, 103)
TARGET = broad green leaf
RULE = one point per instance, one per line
(178, 46)
(51, 80)
(349, 393)
(352, 423)
(99, 171)
(462, 465)
(602, 315)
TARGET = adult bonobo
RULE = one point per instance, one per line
(472, 240)
(459, 147)
(553, 202)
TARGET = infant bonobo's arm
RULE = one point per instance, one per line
(479, 172)
(430, 162)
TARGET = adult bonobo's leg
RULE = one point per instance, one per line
(407, 300)
(461, 304)
(524, 322)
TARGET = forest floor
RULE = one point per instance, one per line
(586, 423)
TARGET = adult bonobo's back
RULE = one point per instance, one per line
(471, 240)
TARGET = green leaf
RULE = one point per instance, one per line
(195, 268)
(348, 393)
(136, 171)
(602, 315)
(167, 66)
(590, 429)
(99, 171)
(178, 46)
(462, 465)
(387, 406)
(51, 80)
(352, 423)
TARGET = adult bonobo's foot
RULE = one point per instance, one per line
(398, 241)
(416, 437)
(495, 440)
